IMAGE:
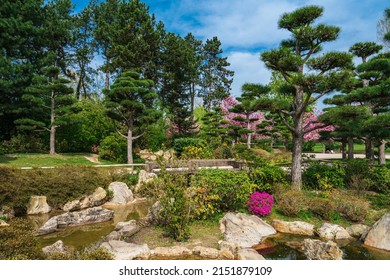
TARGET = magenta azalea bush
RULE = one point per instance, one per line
(260, 203)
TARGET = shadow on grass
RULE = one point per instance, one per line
(6, 159)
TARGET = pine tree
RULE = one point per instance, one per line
(131, 103)
(307, 77)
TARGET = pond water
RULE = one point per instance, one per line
(81, 237)
(84, 236)
(352, 250)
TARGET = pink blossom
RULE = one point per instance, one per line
(260, 203)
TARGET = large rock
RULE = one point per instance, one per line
(88, 216)
(248, 254)
(331, 231)
(170, 252)
(97, 198)
(301, 228)
(153, 216)
(205, 252)
(318, 250)
(3, 223)
(121, 194)
(143, 178)
(358, 230)
(379, 235)
(244, 230)
(126, 251)
(56, 248)
(38, 205)
(127, 229)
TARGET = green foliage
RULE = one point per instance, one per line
(308, 146)
(60, 185)
(356, 167)
(96, 254)
(222, 152)
(291, 202)
(267, 176)
(323, 207)
(114, 148)
(180, 143)
(380, 179)
(175, 204)
(17, 242)
(23, 143)
(323, 177)
(217, 191)
(352, 208)
(191, 152)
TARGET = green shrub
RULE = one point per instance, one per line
(323, 177)
(217, 191)
(308, 146)
(352, 209)
(222, 152)
(114, 148)
(323, 207)
(267, 176)
(60, 184)
(175, 206)
(17, 242)
(380, 180)
(180, 143)
(291, 202)
(192, 152)
(23, 144)
(356, 167)
(96, 254)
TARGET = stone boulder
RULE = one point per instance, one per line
(121, 194)
(227, 250)
(153, 216)
(319, 250)
(331, 231)
(244, 230)
(127, 229)
(379, 235)
(88, 216)
(206, 253)
(143, 178)
(300, 228)
(358, 230)
(38, 205)
(3, 223)
(170, 252)
(248, 254)
(56, 248)
(97, 198)
(126, 251)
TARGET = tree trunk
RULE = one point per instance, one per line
(107, 79)
(343, 149)
(350, 147)
(249, 140)
(296, 168)
(129, 146)
(52, 125)
(369, 150)
(382, 152)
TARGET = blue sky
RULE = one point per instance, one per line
(247, 27)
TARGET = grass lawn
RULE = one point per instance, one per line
(358, 148)
(39, 160)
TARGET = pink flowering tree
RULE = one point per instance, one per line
(242, 118)
(313, 127)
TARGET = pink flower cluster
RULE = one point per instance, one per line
(260, 203)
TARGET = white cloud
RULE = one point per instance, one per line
(248, 69)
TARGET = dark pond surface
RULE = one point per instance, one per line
(81, 237)
(353, 250)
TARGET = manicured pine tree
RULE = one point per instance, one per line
(307, 77)
(131, 103)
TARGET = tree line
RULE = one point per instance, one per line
(149, 80)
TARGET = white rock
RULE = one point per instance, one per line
(57, 247)
(331, 231)
(38, 205)
(204, 252)
(379, 235)
(244, 230)
(126, 251)
(122, 194)
(318, 250)
(358, 230)
(248, 254)
(171, 252)
(297, 227)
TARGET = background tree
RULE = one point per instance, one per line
(216, 79)
(306, 77)
(131, 102)
(49, 100)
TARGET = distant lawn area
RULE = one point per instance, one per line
(358, 148)
(39, 160)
